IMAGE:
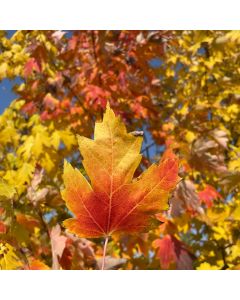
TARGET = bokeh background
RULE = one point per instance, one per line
(180, 89)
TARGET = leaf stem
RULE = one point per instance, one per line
(104, 252)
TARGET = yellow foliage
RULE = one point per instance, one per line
(6, 190)
(9, 260)
(207, 266)
(190, 136)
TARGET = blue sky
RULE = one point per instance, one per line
(6, 94)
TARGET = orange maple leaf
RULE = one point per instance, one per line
(114, 202)
(36, 264)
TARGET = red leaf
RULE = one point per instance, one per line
(3, 227)
(166, 252)
(172, 253)
(30, 66)
(208, 195)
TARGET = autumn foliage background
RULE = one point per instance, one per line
(180, 88)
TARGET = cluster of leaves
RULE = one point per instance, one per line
(181, 88)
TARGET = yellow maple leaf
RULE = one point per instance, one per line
(9, 260)
(6, 190)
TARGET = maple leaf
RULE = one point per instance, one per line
(78, 254)
(114, 202)
(6, 190)
(58, 243)
(34, 194)
(208, 195)
(36, 264)
(220, 137)
(9, 260)
(30, 66)
(185, 198)
(171, 251)
(165, 252)
(27, 221)
(208, 153)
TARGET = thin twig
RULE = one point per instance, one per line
(147, 147)
(225, 266)
(97, 61)
(93, 46)
(104, 252)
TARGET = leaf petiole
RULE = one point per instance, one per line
(104, 252)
